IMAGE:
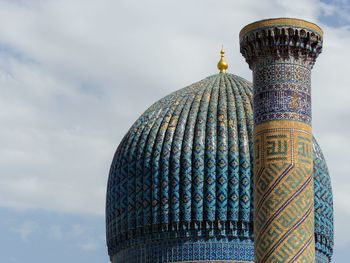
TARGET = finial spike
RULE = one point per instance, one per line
(222, 64)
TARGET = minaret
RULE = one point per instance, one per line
(281, 53)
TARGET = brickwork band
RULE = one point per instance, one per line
(281, 53)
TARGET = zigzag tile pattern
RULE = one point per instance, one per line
(184, 169)
(184, 172)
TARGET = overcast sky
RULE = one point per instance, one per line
(75, 75)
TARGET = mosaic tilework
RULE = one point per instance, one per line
(282, 93)
(281, 57)
(182, 250)
(324, 225)
(144, 163)
(184, 169)
(321, 258)
(284, 214)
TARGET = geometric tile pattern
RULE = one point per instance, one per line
(281, 53)
(324, 225)
(284, 208)
(274, 98)
(179, 250)
(321, 258)
(184, 169)
(162, 178)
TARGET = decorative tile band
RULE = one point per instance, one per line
(281, 53)
(182, 250)
(214, 261)
(282, 92)
(278, 72)
(283, 193)
(180, 160)
(283, 201)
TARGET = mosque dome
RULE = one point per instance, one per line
(181, 180)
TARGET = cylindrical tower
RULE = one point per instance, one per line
(281, 53)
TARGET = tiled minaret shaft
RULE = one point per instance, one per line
(281, 53)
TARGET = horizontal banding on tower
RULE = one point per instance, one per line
(281, 53)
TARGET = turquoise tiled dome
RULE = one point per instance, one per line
(323, 204)
(181, 180)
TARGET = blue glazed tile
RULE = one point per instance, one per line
(180, 184)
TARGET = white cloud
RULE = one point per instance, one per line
(78, 230)
(87, 240)
(74, 75)
(56, 232)
(26, 229)
(89, 245)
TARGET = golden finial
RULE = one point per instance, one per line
(222, 64)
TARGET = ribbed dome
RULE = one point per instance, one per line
(184, 171)
(323, 203)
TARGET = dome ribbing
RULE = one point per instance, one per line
(324, 223)
(184, 171)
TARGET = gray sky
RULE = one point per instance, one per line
(75, 75)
